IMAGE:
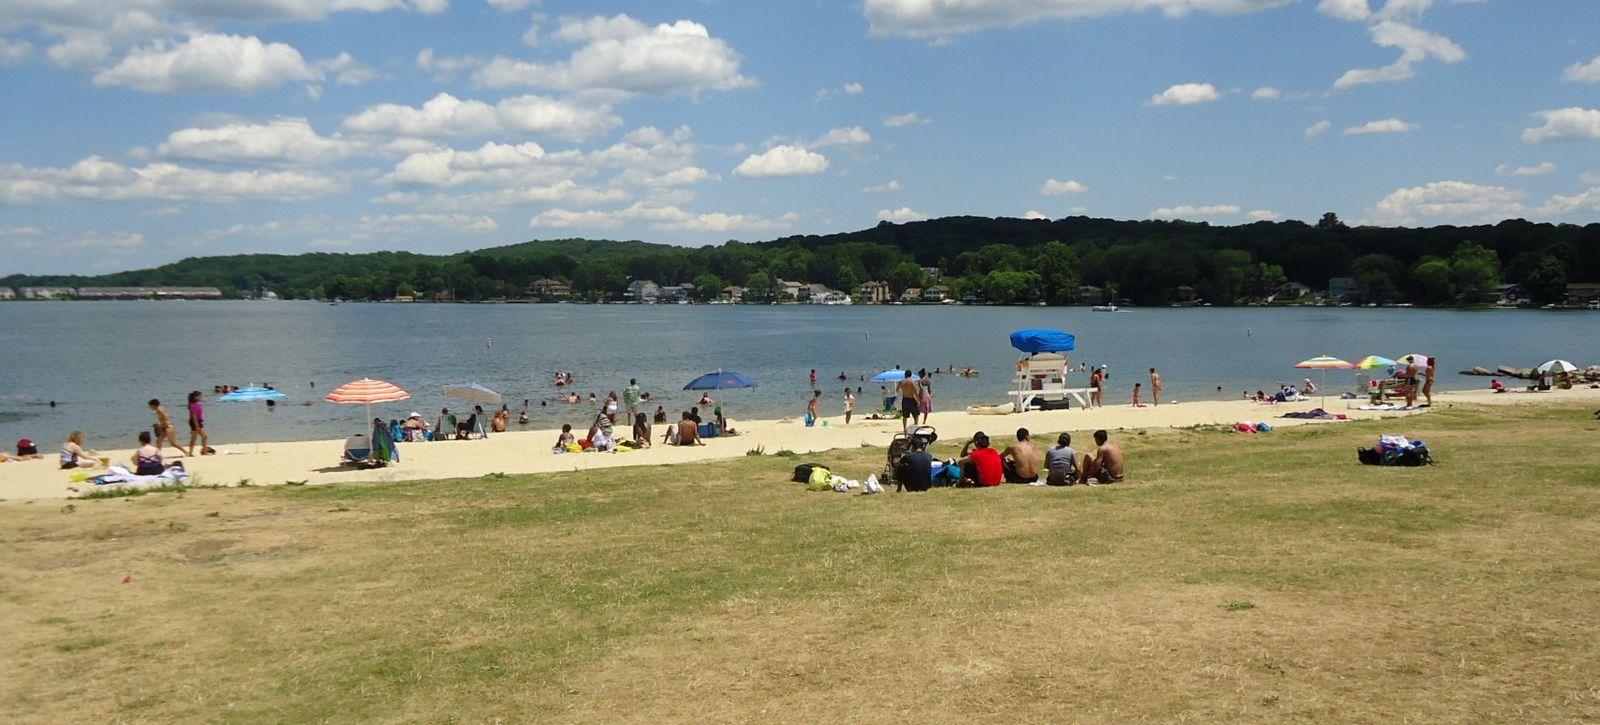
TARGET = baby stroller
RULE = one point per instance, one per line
(901, 445)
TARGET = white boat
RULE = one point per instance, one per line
(1104, 308)
(1001, 409)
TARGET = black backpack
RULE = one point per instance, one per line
(802, 472)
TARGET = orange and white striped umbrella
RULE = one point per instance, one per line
(367, 391)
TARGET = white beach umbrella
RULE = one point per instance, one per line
(1556, 366)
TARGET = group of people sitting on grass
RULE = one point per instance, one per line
(1021, 462)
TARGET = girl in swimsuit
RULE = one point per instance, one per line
(147, 459)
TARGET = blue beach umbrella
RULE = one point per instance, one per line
(721, 380)
(252, 395)
(893, 376)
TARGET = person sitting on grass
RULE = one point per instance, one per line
(980, 464)
(1061, 463)
(1106, 465)
(688, 432)
(914, 470)
(1020, 460)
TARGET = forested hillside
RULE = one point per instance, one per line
(1001, 260)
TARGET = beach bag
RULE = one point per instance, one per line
(810, 419)
(1369, 456)
(1416, 455)
(820, 480)
(802, 472)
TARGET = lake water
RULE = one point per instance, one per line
(100, 361)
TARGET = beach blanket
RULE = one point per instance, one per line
(1384, 406)
(1314, 414)
(121, 476)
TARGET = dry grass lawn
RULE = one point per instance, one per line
(1232, 578)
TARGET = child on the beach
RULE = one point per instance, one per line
(1137, 387)
(163, 428)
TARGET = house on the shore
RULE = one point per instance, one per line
(937, 293)
(1342, 289)
(789, 291)
(1583, 293)
(873, 293)
(912, 294)
(732, 293)
(549, 289)
(6, 293)
(642, 290)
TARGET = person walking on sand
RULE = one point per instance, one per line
(1155, 386)
(812, 408)
(910, 403)
(849, 404)
(197, 425)
(163, 426)
(632, 396)
(1427, 380)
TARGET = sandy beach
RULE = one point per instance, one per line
(524, 451)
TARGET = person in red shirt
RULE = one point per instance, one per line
(980, 464)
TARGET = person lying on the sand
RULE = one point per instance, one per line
(1105, 465)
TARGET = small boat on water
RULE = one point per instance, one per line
(1104, 308)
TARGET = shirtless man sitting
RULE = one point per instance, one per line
(1105, 465)
(688, 432)
(1021, 460)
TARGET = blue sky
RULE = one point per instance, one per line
(144, 131)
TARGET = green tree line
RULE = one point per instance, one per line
(1000, 260)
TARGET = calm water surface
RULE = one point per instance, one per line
(102, 360)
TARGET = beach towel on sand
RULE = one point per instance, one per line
(121, 476)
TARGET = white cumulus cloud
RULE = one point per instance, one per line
(624, 55)
(97, 178)
(782, 160)
(1056, 187)
(446, 115)
(282, 140)
(1566, 124)
(1415, 44)
(1540, 169)
(1456, 202)
(936, 18)
(1351, 10)
(1186, 94)
(1263, 215)
(1582, 72)
(1188, 211)
(903, 214)
(904, 119)
(849, 136)
(1387, 125)
(209, 63)
(892, 185)
(1317, 129)
(1266, 93)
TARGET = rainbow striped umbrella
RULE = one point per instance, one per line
(367, 391)
(1373, 362)
(1324, 363)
